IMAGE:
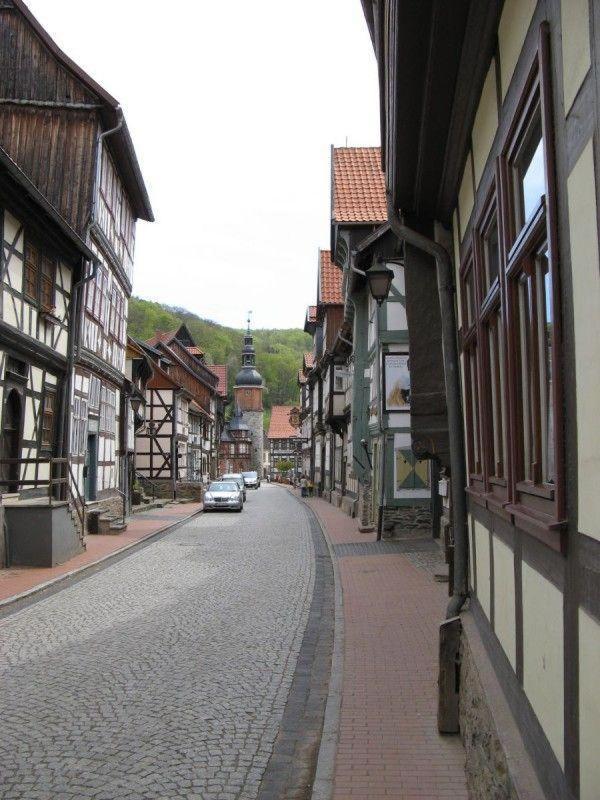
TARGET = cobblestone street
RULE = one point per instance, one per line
(165, 675)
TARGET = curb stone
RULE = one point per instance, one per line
(325, 772)
(40, 587)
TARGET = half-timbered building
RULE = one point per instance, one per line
(284, 439)
(493, 185)
(41, 260)
(85, 166)
(177, 445)
(235, 446)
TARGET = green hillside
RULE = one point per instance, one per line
(278, 352)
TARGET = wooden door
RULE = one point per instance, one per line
(10, 441)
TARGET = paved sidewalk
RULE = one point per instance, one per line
(16, 581)
(388, 744)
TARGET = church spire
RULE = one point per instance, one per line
(248, 353)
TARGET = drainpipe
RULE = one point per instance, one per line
(453, 399)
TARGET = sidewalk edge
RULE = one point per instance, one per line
(40, 587)
(325, 771)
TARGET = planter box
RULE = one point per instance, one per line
(40, 536)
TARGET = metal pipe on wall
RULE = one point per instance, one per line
(453, 399)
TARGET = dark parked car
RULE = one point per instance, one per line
(223, 495)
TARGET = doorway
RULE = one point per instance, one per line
(90, 470)
(10, 441)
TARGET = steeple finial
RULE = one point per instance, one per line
(249, 320)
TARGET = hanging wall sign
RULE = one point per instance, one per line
(396, 375)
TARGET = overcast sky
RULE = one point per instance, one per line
(232, 106)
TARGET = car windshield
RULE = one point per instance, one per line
(249, 474)
(232, 477)
(223, 486)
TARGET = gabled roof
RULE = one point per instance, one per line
(358, 190)
(220, 370)
(330, 280)
(280, 426)
(182, 334)
(120, 142)
(310, 322)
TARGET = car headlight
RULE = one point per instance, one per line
(208, 497)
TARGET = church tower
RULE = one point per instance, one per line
(248, 399)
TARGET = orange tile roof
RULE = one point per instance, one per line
(330, 280)
(358, 185)
(161, 336)
(220, 370)
(280, 427)
(311, 314)
(301, 376)
(309, 360)
(195, 350)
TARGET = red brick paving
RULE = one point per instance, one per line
(16, 580)
(388, 744)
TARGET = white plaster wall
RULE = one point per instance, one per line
(465, 197)
(575, 24)
(514, 22)
(543, 672)
(589, 706)
(396, 317)
(504, 598)
(11, 227)
(486, 122)
(482, 565)
(9, 313)
(586, 303)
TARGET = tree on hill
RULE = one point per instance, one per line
(278, 352)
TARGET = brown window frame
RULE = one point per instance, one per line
(39, 286)
(47, 443)
(536, 506)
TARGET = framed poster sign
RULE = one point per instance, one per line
(396, 376)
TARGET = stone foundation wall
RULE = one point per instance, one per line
(405, 519)
(190, 491)
(486, 765)
(162, 489)
(365, 493)
(110, 504)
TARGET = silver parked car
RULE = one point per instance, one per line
(238, 478)
(251, 480)
(223, 495)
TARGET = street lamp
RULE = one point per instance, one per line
(380, 280)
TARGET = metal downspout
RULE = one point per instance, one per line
(453, 400)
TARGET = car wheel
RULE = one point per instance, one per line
(241, 508)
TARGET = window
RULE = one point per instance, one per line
(47, 437)
(509, 334)
(47, 283)
(108, 403)
(32, 266)
(39, 277)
